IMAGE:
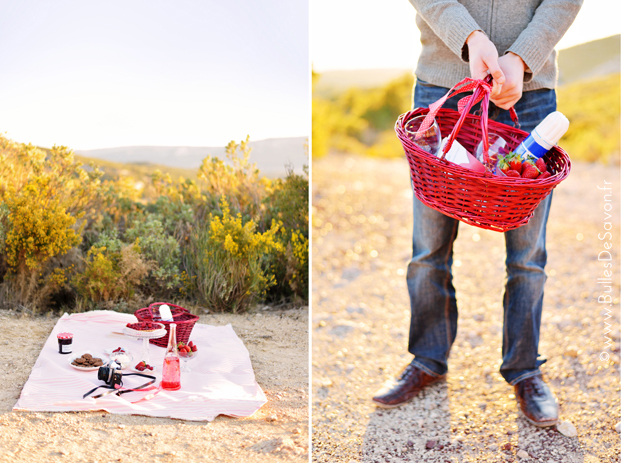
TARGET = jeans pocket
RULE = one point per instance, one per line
(423, 83)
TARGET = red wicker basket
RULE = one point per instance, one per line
(480, 199)
(181, 317)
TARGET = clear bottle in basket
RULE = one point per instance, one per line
(171, 372)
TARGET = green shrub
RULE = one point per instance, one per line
(287, 203)
(161, 249)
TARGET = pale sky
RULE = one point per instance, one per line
(99, 74)
(369, 34)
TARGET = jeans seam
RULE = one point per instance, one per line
(426, 369)
(525, 376)
(447, 317)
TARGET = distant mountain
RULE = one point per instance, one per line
(271, 155)
(592, 59)
(332, 83)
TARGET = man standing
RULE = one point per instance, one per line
(513, 40)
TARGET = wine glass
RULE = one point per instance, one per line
(186, 357)
(428, 140)
(497, 148)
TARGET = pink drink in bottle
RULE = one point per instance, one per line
(171, 373)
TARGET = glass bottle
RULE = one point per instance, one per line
(171, 373)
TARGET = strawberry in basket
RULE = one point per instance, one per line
(511, 165)
(536, 169)
(530, 170)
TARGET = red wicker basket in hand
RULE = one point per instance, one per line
(480, 199)
(181, 317)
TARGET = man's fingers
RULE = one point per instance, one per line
(496, 89)
(478, 74)
(497, 74)
(505, 103)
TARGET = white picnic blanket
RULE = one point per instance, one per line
(221, 380)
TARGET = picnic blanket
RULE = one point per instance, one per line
(221, 380)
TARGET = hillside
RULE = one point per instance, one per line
(271, 155)
(139, 171)
(584, 61)
(331, 83)
(589, 60)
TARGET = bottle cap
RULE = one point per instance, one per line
(64, 336)
(165, 313)
(552, 128)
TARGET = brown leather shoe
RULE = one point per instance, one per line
(407, 386)
(536, 401)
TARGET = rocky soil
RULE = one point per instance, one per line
(361, 246)
(278, 344)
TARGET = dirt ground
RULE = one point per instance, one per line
(278, 344)
(361, 246)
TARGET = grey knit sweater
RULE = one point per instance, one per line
(528, 28)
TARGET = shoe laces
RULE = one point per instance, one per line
(408, 371)
(534, 386)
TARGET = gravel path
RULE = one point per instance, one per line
(361, 246)
(278, 344)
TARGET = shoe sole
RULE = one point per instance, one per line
(539, 424)
(387, 406)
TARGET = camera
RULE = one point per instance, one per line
(111, 374)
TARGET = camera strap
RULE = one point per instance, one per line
(118, 390)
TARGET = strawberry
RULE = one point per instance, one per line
(515, 163)
(541, 165)
(194, 348)
(545, 175)
(512, 173)
(530, 171)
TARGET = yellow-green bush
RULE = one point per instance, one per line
(297, 264)
(111, 275)
(239, 180)
(593, 109)
(47, 200)
(228, 261)
(361, 121)
(70, 239)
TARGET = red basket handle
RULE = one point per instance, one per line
(482, 89)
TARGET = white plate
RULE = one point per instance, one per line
(146, 372)
(114, 356)
(155, 334)
(75, 356)
(109, 350)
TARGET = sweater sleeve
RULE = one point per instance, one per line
(550, 22)
(450, 21)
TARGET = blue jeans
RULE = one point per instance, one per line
(433, 324)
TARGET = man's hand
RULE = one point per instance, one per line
(513, 68)
(483, 58)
